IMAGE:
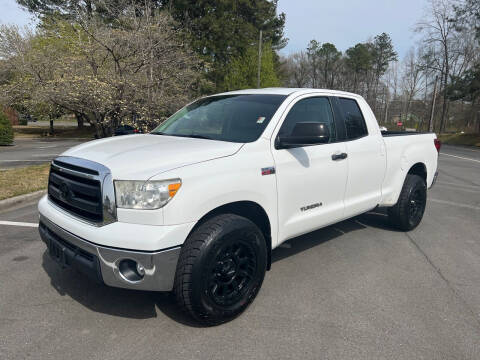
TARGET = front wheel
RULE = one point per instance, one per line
(407, 213)
(221, 269)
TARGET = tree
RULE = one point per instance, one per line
(223, 30)
(412, 75)
(217, 30)
(359, 61)
(329, 56)
(382, 54)
(467, 88)
(108, 10)
(6, 131)
(439, 31)
(105, 75)
(242, 71)
(297, 70)
(312, 54)
(467, 15)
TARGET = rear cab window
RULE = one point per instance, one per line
(354, 121)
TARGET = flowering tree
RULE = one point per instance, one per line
(136, 69)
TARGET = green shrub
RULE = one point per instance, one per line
(22, 120)
(6, 130)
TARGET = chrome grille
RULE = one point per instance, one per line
(83, 188)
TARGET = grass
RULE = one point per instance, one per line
(23, 180)
(460, 139)
(60, 132)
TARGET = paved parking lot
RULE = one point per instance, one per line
(355, 290)
(34, 151)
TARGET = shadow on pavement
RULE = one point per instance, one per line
(100, 298)
(137, 304)
(376, 218)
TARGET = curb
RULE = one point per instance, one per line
(21, 199)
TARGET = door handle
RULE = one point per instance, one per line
(341, 156)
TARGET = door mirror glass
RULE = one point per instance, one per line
(305, 134)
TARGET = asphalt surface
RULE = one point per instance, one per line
(57, 123)
(355, 290)
(34, 151)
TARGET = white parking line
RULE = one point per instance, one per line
(460, 157)
(457, 188)
(46, 160)
(454, 204)
(475, 187)
(49, 155)
(16, 223)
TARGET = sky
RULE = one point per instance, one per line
(11, 13)
(345, 23)
(341, 22)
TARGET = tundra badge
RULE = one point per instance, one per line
(309, 207)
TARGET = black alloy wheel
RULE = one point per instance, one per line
(232, 272)
(221, 269)
(408, 212)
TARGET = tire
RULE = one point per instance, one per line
(407, 213)
(221, 269)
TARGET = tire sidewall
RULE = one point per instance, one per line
(239, 228)
(415, 183)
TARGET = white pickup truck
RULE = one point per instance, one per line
(198, 205)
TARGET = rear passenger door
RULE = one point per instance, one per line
(366, 157)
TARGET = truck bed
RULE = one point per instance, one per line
(403, 152)
(403, 133)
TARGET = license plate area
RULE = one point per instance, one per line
(57, 252)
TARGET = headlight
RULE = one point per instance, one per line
(145, 194)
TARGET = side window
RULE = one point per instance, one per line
(354, 121)
(316, 109)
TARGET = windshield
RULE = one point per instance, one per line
(234, 118)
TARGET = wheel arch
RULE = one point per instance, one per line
(419, 169)
(247, 209)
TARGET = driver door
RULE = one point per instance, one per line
(311, 184)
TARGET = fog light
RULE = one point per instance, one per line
(130, 270)
(140, 269)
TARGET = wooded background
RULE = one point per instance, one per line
(109, 62)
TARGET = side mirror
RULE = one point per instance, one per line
(304, 134)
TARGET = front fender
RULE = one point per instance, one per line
(209, 185)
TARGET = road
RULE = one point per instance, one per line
(34, 151)
(355, 290)
(56, 123)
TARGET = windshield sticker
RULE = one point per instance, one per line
(261, 119)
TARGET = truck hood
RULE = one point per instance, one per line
(139, 157)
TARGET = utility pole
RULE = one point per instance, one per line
(385, 96)
(432, 110)
(259, 59)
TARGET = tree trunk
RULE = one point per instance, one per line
(478, 120)
(445, 96)
(51, 126)
(80, 121)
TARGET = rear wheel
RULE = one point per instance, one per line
(407, 213)
(221, 269)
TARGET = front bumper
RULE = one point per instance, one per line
(101, 263)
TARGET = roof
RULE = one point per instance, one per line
(288, 91)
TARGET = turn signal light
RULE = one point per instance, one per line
(173, 188)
